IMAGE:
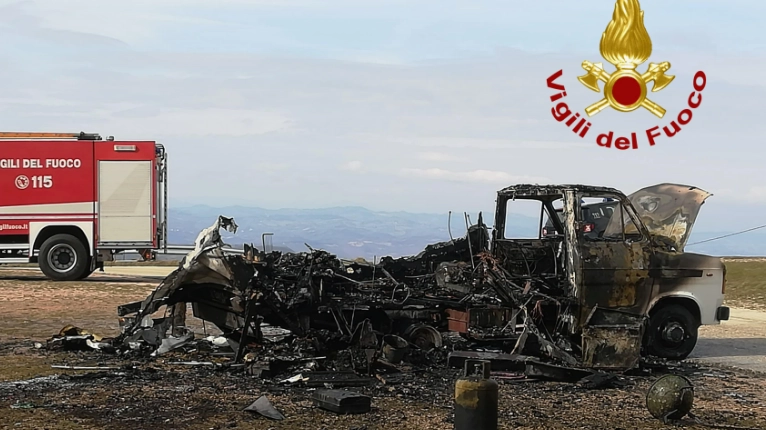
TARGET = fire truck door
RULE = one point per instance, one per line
(125, 202)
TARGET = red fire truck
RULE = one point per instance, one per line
(71, 201)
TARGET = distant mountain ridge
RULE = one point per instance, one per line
(346, 231)
(354, 231)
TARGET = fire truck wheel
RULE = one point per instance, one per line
(672, 332)
(63, 258)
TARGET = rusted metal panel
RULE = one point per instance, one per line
(489, 317)
(612, 339)
(457, 321)
(611, 347)
(461, 321)
(511, 362)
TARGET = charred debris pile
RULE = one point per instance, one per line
(282, 314)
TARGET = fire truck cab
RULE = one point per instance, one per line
(71, 201)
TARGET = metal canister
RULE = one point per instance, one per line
(476, 397)
(670, 397)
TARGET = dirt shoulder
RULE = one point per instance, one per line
(739, 342)
(37, 309)
(149, 394)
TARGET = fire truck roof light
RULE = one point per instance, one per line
(125, 148)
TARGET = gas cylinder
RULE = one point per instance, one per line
(476, 398)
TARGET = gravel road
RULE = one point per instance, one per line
(739, 342)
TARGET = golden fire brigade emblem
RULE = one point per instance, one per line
(626, 44)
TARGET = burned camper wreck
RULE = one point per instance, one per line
(579, 294)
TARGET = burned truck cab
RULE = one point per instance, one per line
(611, 263)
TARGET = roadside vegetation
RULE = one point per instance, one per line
(746, 282)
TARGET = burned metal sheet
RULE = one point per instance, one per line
(668, 211)
(203, 266)
(263, 407)
(611, 339)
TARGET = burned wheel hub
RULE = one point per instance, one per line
(62, 258)
(424, 336)
(673, 333)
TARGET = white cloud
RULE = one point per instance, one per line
(481, 176)
(142, 21)
(437, 156)
(757, 194)
(271, 167)
(142, 122)
(489, 143)
(352, 166)
(250, 105)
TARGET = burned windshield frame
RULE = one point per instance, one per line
(626, 213)
(640, 235)
(583, 208)
(548, 209)
(553, 215)
(500, 230)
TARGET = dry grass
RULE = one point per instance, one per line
(39, 418)
(746, 283)
(20, 363)
(40, 308)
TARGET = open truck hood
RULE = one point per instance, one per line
(669, 211)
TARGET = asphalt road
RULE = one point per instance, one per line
(139, 271)
(126, 274)
(739, 342)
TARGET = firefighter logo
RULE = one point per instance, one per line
(626, 45)
(22, 182)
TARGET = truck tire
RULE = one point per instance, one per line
(63, 258)
(88, 271)
(672, 332)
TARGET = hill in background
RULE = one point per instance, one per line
(351, 232)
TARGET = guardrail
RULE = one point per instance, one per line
(185, 249)
(182, 250)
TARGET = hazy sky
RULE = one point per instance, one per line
(422, 105)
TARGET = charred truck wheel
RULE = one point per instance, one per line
(672, 332)
(63, 258)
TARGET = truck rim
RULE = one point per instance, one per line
(673, 333)
(62, 258)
